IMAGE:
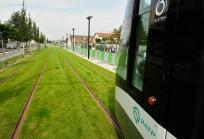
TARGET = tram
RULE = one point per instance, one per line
(160, 70)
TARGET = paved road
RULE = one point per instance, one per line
(4, 50)
(9, 54)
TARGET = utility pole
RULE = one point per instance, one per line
(73, 29)
(89, 18)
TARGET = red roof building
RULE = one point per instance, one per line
(100, 35)
(81, 39)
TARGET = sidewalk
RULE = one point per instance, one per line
(9, 54)
(102, 64)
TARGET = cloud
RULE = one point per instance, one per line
(57, 17)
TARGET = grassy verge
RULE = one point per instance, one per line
(15, 89)
(103, 86)
(62, 108)
(10, 61)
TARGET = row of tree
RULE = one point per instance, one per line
(21, 27)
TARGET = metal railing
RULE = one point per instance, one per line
(104, 55)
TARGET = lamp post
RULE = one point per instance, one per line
(89, 18)
(73, 29)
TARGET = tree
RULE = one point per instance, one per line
(23, 28)
(104, 39)
(15, 19)
(110, 39)
(116, 33)
(98, 40)
(29, 28)
(3, 32)
(42, 38)
(8, 32)
(12, 33)
(38, 35)
(34, 31)
(14, 22)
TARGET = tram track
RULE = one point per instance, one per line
(26, 106)
(102, 73)
(111, 118)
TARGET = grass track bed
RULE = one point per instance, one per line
(15, 90)
(62, 108)
(103, 86)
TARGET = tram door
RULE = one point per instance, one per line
(163, 66)
(152, 66)
(153, 63)
(172, 66)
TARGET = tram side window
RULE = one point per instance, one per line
(124, 41)
(139, 65)
(144, 6)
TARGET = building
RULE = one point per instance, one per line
(80, 40)
(101, 35)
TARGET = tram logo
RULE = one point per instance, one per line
(136, 114)
(161, 7)
(141, 122)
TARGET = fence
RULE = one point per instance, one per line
(104, 56)
(12, 50)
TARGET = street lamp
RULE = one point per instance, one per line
(89, 18)
(73, 29)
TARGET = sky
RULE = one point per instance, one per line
(55, 18)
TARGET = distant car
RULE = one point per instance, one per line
(11, 46)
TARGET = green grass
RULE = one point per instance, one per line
(103, 86)
(15, 90)
(10, 61)
(62, 108)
